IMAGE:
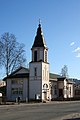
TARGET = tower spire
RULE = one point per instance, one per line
(39, 38)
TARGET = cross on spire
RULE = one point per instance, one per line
(39, 21)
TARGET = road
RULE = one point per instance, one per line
(41, 111)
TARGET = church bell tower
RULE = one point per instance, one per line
(39, 68)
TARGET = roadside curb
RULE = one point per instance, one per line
(41, 103)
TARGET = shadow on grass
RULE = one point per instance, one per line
(73, 119)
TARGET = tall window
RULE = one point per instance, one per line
(70, 90)
(35, 56)
(20, 90)
(35, 71)
(55, 90)
(45, 56)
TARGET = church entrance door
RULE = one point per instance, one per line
(45, 95)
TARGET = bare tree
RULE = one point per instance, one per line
(64, 71)
(11, 53)
(1, 45)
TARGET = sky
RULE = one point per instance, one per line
(60, 22)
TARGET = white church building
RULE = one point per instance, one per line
(36, 82)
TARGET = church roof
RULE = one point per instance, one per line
(54, 76)
(21, 72)
(39, 39)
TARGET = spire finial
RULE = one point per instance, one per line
(39, 21)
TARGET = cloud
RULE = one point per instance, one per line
(77, 51)
(78, 56)
(72, 43)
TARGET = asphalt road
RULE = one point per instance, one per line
(42, 111)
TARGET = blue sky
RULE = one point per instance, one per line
(60, 21)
